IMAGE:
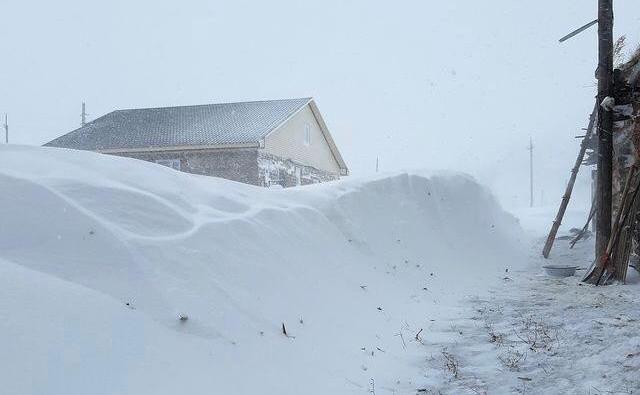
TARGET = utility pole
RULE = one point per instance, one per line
(83, 116)
(530, 172)
(605, 126)
(6, 129)
(377, 164)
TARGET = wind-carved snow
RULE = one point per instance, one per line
(100, 257)
(130, 210)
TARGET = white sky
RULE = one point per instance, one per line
(421, 84)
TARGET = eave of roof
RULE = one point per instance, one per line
(181, 148)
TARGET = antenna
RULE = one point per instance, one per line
(83, 116)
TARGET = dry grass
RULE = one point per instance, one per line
(512, 358)
(537, 334)
(494, 336)
(635, 57)
(451, 364)
(618, 51)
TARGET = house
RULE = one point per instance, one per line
(284, 142)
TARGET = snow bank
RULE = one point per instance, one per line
(100, 255)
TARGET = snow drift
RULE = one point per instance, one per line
(99, 256)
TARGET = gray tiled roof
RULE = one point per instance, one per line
(203, 125)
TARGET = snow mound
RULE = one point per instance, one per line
(100, 256)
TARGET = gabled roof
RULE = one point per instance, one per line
(325, 132)
(226, 124)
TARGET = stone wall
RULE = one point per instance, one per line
(274, 170)
(238, 164)
(245, 165)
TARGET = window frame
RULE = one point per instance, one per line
(173, 163)
(307, 134)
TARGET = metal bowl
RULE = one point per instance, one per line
(560, 270)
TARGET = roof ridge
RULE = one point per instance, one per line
(214, 104)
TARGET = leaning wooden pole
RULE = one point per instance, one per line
(605, 127)
(567, 193)
(621, 261)
(583, 231)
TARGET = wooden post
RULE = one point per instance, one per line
(605, 126)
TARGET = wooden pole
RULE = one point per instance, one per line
(578, 31)
(600, 272)
(567, 193)
(605, 126)
(585, 227)
(622, 264)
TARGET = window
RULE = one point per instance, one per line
(173, 163)
(307, 134)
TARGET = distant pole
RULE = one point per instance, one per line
(83, 116)
(377, 164)
(605, 126)
(530, 172)
(6, 129)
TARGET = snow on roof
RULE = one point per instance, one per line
(184, 126)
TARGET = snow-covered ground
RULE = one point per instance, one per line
(396, 284)
(101, 256)
(540, 335)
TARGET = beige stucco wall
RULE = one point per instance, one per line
(288, 141)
